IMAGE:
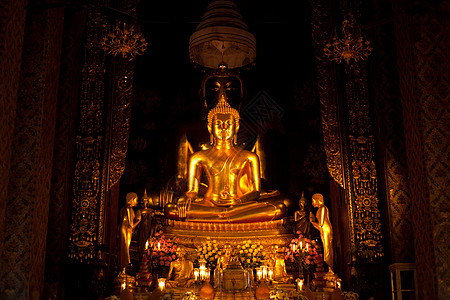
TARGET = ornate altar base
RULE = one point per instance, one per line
(178, 293)
(191, 234)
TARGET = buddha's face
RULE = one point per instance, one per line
(223, 127)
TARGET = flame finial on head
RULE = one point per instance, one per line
(223, 107)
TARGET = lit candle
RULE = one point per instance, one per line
(307, 245)
(161, 283)
(124, 286)
(301, 245)
(207, 274)
(258, 273)
(202, 274)
(196, 274)
(293, 247)
(264, 272)
(338, 284)
(270, 274)
(146, 245)
(300, 285)
(159, 246)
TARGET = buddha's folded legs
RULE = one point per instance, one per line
(253, 211)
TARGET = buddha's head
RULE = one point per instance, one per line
(181, 252)
(131, 199)
(223, 121)
(317, 200)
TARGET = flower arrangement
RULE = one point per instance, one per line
(279, 294)
(251, 254)
(163, 250)
(209, 251)
(303, 251)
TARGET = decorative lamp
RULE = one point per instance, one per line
(351, 45)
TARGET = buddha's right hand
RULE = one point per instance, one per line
(183, 206)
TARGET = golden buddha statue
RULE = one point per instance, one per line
(128, 222)
(222, 264)
(323, 224)
(301, 218)
(233, 174)
(182, 271)
(278, 265)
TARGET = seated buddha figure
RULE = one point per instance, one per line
(233, 178)
(181, 272)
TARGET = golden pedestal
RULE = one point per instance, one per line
(192, 234)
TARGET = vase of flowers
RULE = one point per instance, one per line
(251, 254)
(304, 252)
(162, 252)
(209, 251)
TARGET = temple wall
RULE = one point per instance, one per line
(23, 256)
(64, 145)
(394, 189)
(12, 26)
(422, 48)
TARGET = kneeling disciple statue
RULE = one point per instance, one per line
(181, 272)
(233, 174)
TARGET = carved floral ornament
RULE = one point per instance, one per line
(125, 40)
(351, 45)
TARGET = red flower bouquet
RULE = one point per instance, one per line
(304, 252)
(162, 251)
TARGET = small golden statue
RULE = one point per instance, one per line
(323, 224)
(301, 218)
(233, 174)
(128, 222)
(278, 265)
(182, 271)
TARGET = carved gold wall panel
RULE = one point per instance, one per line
(120, 118)
(363, 173)
(321, 27)
(87, 196)
(349, 141)
(103, 128)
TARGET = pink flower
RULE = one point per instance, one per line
(167, 263)
(173, 256)
(161, 263)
